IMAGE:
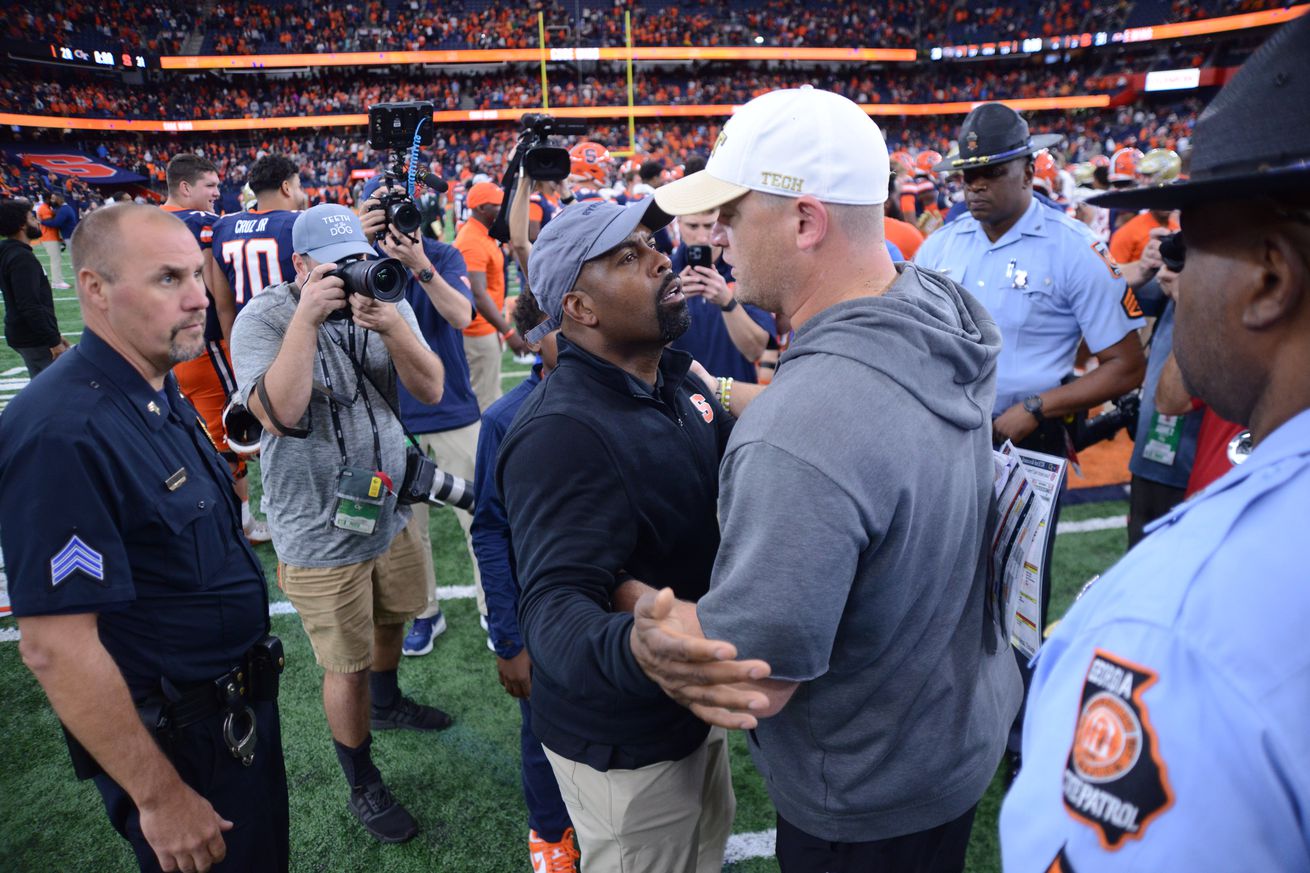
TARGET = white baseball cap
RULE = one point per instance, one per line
(791, 142)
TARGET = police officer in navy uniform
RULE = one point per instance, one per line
(1167, 718)
(143, 610)
(1044, 278)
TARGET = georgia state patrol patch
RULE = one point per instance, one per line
(1114, 778)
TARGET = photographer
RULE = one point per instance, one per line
(438, 291)
(321, 370)
(726, 336)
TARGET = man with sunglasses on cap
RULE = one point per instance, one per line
(1167, 717)
(855, 498)
(610, 472)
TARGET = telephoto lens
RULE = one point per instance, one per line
(450, 489)
(381, 278)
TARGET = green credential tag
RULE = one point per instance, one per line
(1162, 438)
(360, 495)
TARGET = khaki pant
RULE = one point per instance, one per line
(56, 262)
(484, 356)
(670, 817)
(454, 451)
(339, 606)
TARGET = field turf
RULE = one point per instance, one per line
(462, 784)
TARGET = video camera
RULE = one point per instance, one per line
(535, 156)
(395, 127)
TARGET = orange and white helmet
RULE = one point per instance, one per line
(904, 159)
(590, 160)
(1123, 166)
(1099, 161)
(926, 160)
(1159, 167)
(1045, 172)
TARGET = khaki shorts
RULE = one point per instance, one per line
(339, 606)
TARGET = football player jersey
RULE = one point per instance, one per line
(201, 225)
(253, 249)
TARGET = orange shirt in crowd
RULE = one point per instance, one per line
(482, 254)
(45, 213)
(903, 235)
(1129, 241)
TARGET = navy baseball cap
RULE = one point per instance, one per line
(579, 234)
(329, 232)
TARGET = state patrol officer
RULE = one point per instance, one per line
(1167, 718)
(1045, 279)
(143, 611)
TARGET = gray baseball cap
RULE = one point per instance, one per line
(329, 232)
(578, 234)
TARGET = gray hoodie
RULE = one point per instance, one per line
(855, 500)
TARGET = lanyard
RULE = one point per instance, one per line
(360, 391)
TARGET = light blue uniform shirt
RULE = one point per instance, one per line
(1168, 724)
(1048, 283)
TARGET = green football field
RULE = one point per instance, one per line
(462, 784)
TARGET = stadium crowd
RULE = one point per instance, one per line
(230, 27)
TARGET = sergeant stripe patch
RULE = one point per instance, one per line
(76, 555)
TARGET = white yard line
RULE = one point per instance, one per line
(1091, 524)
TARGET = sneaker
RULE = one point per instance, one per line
(421, 634)
(257, 532)
(381, 815)
(561, 857)
(410, 716)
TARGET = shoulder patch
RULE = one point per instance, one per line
(1132, 308)
(1114, 778)
(76, 555)
(1103, 252)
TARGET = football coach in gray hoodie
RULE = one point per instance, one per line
(847, 622)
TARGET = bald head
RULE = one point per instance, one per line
(104, 237)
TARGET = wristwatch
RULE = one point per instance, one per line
(732, 304)
(1033, 405)
(425, 275)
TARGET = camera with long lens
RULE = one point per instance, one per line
(1090, 431)
(425, 482)
(395, 127)
(1173, 251)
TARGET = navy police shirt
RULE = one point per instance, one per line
(114, 501)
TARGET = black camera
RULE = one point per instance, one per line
(542, 161)
(700, 256)
(382, 279)
(1090, 431)
(425, 482)
(1173, 251)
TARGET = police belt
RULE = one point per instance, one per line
(173, 708)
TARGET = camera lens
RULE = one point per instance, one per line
(404, 216)
(386, 280)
